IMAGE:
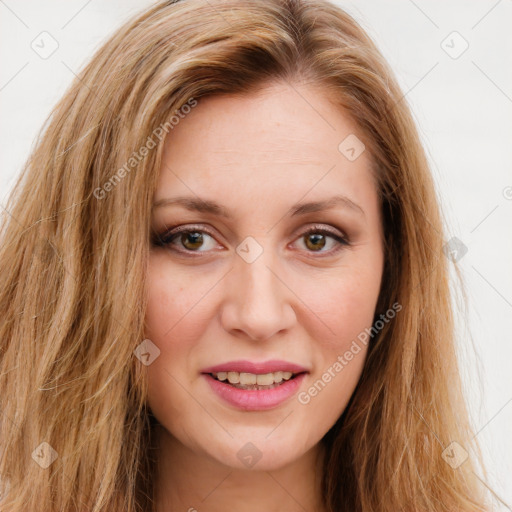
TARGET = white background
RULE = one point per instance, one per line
(463, 107)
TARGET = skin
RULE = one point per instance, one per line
(257, 155)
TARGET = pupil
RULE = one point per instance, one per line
(316, 238)
(197, 238)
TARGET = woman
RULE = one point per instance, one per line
(303, 359)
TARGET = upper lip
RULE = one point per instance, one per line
(256, 367)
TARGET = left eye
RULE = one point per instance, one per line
(316, 239)
(193, 240)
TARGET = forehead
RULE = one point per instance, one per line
(281, 140)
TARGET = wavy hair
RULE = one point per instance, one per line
(75, 249)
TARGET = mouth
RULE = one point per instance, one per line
(254, 391)
(255, 385)
(253, 381)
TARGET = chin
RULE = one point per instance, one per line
(260, 454)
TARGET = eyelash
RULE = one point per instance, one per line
(165, 239)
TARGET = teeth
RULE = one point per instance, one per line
(247, 379)
(265, 380)
(233, 377)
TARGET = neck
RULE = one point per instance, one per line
(195, 482)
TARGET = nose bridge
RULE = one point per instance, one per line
(258, 302)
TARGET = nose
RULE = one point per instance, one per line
(258, 303)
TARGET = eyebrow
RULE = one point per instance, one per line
(209, 206)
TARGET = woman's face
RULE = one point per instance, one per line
(248, 285)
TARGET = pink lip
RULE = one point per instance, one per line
(256, 368)
(254, 399)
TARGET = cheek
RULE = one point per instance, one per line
(173, 322)
(345, 303)
(174, 302)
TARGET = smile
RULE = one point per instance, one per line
(244, 380)
(254, 397)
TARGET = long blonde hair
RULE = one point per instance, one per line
(75, 250)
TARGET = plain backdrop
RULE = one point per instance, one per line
(452, 60)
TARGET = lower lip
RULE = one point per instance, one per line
(255, 399)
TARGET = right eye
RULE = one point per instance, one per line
(185, 239)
